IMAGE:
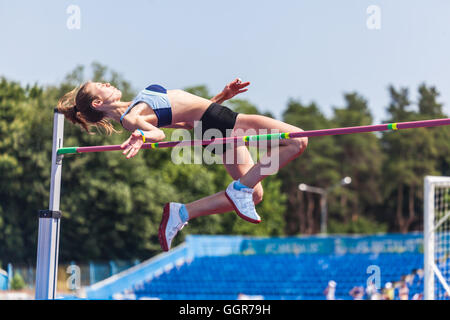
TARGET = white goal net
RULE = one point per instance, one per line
(437, 238)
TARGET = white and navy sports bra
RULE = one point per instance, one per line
(155, 96)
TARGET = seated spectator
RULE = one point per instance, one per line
(330, 290)
(409, 279)
(372, 292)
(388, 292)
(403, 291)
(418, 296)
(419, 276)
(357, 293)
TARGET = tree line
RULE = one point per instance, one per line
(112, 206)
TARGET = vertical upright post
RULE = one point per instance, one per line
(428, 241)
(48, 237)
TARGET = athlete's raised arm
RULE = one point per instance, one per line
(235, 87)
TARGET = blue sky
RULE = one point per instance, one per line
(307, 50)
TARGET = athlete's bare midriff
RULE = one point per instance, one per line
(186, 107)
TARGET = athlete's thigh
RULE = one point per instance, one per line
(258, 122)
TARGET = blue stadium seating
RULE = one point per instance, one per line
(277, 276)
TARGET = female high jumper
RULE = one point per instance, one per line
(94, 104)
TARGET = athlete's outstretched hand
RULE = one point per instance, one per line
(132, 144)
(235, 87)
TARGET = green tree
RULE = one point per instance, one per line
(316, 166)
(23, 167)
(412, 155)
(17, 282)
(359, 157)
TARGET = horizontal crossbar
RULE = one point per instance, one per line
(272, 136)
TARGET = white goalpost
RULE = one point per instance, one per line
(437, 238)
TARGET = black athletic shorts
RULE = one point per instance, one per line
(221, 118)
